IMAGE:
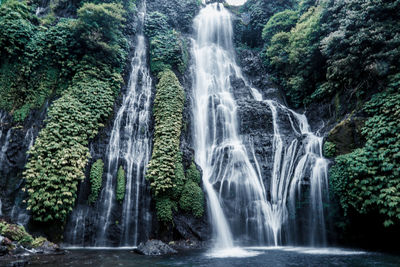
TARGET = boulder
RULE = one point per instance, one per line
(154, 247)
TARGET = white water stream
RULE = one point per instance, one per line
(130, 143)
(123, 224)
(243, 208)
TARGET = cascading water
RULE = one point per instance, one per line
(246, 208)
(129, 146)
(219, 149)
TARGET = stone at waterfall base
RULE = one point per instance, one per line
(154, 247)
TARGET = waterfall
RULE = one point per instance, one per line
(218, 146)
(129, 146)
(246, 208)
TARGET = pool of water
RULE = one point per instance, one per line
(250, 256)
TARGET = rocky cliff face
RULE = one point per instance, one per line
(15, 140)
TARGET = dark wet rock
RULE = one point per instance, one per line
(346, 135)
(254, 116)
(189, 244)
(48, 248)
(3, 250)
(154, 247)
(239, 88)
(20, 250)
(190, 228)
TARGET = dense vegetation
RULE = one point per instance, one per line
(343, 54)
(167, 47)
(17, 233)
(165, 170)
(76, 60)
(96, 179)
(168, 58)
(368, 179)
(121, 181)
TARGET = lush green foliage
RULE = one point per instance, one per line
(164, 208)
(33, 59)
(18, 234)
(60, 154)
(168, 107)
(341, 47)
(96, 179)
(168, 49)
(258, 13)
(368, 179)
(165, 170)
(15, 233)
(295, 55)
(360, 44)
(179, 13)
(280, 22)
(192, 198)
(193, 174)
(38, 62)
(120, 184)
(329, 149)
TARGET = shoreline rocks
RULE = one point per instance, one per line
(154, 247)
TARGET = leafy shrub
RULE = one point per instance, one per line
(61, 152)
(192, 199)
(165, 170)
(180, 178)
(120, 184)
(168, 50)
(39, 241)
(329, 149)
(100, 29)
(164, 207)
(295, 56)
(368, 179)
(168, 107)
(156, 23)
(179, 13)
(15, 233)
(280, 22)
(193, 174)
(259, 13)
(96, 178)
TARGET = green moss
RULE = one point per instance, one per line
(165, 170)
(368, 179)
(96, 178)
(179, 179)
(16, 233)
(120, 184)
(193, 174)
(168, 107)
(329, 149)
(39, 241)
(58, 159)
(168, 50)
(164, 207)
(192, 199)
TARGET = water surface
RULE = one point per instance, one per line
(258, 256)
